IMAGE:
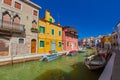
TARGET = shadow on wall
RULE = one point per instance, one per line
(79, 72)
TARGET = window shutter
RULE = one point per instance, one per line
(43, 29)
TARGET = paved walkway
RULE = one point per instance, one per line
(106, 74)
(116, 68)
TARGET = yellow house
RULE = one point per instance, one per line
(50, 34)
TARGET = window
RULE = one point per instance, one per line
(35, 13)
(52, 31)
(67, 43)
(59, 33)
(42, 29)
(34, 24)
(59, 44)
(50, 20)
(75, 44)
(42, 44)
(21, 41)
(9, 2)
(17, 5)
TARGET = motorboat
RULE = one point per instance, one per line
(49, 57)
(72, 52)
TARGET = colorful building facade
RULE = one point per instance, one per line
(118, 26)
(69, 38)
(107, 42)
(50, 35)
(114, 41)
(18, 27)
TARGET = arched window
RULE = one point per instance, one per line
(6, 20)
(34, 24)
(16, 22)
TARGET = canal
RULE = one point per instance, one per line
(63, 68)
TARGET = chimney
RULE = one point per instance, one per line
(58, 24)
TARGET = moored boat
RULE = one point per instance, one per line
(94, 62)
(72, 52)
(49, 57)
(82, 50)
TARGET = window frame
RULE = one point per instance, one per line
(43, 32)
(59, 44)
(34, 11)
(3, 1)
(18, 3)
(53, 33)
(59, 33)
(22, 39)
(43, 45)
(68, 43)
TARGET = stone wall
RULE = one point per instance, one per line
(19, 49)
(4, 47)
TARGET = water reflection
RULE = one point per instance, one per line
(79, 72)
(63, 68)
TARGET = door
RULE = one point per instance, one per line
(33, 46)
(53, 45)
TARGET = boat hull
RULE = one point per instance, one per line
(49, 57)
(94, 64)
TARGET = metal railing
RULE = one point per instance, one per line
(6, 25)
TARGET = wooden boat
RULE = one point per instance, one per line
(94, 62)
(49, 57)
(72, 53)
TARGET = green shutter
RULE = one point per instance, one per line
(39, 28)
(51, 20)
(60, 44)
(59, 33)
(41, 43)
(43, 29)
(52, 31)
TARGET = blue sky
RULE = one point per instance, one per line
(89, 17)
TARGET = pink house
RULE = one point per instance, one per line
(69, 38)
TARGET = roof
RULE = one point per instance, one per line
(70, 28)
(31, 4)
(50, 22)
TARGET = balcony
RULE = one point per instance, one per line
(35, 30)
(11, 28)
(72, 30)
(69, 34)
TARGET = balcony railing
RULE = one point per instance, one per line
(72, 30)
(11, 27)
(71, 35)
(35, 30)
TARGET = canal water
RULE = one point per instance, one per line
(63, 68)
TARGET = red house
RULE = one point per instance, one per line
(69, 38)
